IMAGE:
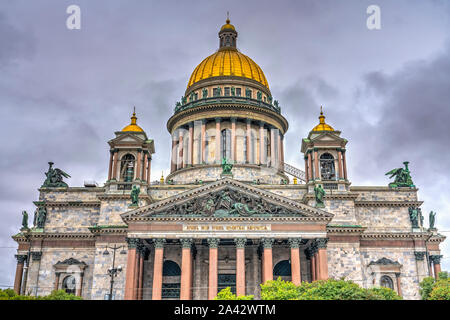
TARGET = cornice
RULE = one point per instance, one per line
(332, 196)
(239, 110)
(381, 188)
(266, 219)
(72, 189)
(344, 229)
(68, 203)
(48, 235)
(121, 196)
(118, 229)
(363, 203)
(395, 235)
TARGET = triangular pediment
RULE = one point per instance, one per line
(129, 137)
(227, 198)
(327, 136)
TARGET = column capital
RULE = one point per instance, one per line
(233, 119)
(436, 258)
(36, 256)
(294, 242)
(261, 123)
(321, 243)
(218, 119)
(186, 242)
(267, 242)
(420, 255)
(213, 242)
(249, 121)
(132, 242)
(159, 243)
(191, 124)
(21, 258)
(240, 242)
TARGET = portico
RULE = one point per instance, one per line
(237, 244)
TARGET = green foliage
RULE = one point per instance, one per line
(426, 286)
(432, 289)
(278, 290)
(60, 295)
(9, 294)
(323, 290)
(226, 294)
(441, 290)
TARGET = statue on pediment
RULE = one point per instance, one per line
(414, 216)
(432, 219)
(135, 196)
(226, 166)
(319, 194)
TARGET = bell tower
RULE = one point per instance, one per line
(130, 158)
(325, 159)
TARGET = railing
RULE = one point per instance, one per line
(293, 171)
(227, 99)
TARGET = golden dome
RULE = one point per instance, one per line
(322, 126)
(227, 25)
(133, 126)
(228, 63)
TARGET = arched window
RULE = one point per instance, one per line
(387, 282)
(127, 168)
(327, 170)
(282, 269)
(171, 280)
(226, 144)
(69, 284)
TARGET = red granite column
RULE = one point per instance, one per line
(203, 150)
(186, 270)
(233, 139)
(436, 259)
(131, 268)
(19, 272)
(191, 144)
(174, 154)
(149, 169)
(181, 163)
(272, 147)
(267, 262)
(240, 266)
(139, 165)
(144, 167)
(323, 260)
(80, 288)
(282, 150)
(218, 138)
(261, 143)
(399, 285)
(141, 275)
(313, 267)
(280, 158)
(310, 166)
(295, 260)
(136, 273)
(57, 276)
(344, 158)
(158, 262)
(110, 164)
(213, 267)
(316, 165)
(306, 169)
(249, 136)
(114, 172)
(341, 173)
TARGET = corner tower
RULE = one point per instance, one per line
(130, 158)
(227, 111)
(325, 160)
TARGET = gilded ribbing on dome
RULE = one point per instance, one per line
(228, 63)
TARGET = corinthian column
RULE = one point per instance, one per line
(295, 260)
(217, 152)
(158, 269)
(213, 267)
(186, 269)
(19, 272)
(240, 266)
(267, 259)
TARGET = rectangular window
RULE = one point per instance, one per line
(196, 96)
(216, 92)
(238, 92)
(227, 91)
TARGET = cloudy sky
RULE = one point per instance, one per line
(64, 92)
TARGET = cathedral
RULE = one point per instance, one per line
(231, 213)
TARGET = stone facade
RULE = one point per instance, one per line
(260, 225)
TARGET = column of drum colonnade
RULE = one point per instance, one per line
(186, 133)
(134, 273)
